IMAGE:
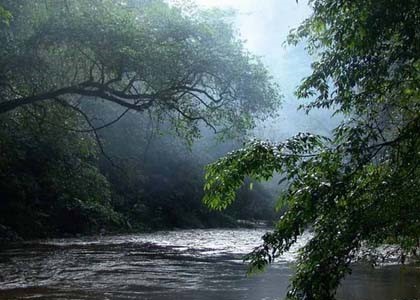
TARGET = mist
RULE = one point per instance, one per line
(158, 149)
(265, 25)
(151, 161)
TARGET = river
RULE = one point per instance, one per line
(185, 264)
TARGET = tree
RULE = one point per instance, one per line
(69, 69)
(141, 55)
(362, 185)
(50, 182)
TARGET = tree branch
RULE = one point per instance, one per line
(85, 89)
(88, 121)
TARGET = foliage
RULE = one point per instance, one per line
(55, 182)
(50, 183)
(61, 60)
(362, 184)
(157, 184)
(141, 55)
(5, 16)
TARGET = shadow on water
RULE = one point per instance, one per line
(189, 264)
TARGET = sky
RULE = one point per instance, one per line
(264, 25)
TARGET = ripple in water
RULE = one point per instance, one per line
(187, 264)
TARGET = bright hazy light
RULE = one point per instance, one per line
(264, 26)
(219, 3)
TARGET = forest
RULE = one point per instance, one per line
(101, 136)
(142, 116)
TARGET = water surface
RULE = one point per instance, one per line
(187, 264)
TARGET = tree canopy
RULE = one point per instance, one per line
(81, 81)
(141, 55)
(361, 185)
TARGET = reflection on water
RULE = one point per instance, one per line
(188, 264)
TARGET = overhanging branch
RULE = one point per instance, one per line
(88, 89)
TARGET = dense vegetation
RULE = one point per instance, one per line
(100, 102)
(108, 110)
(361, 186)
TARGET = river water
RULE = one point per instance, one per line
(186, 264)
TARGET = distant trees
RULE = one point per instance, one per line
(361, 186)
(158, 179)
